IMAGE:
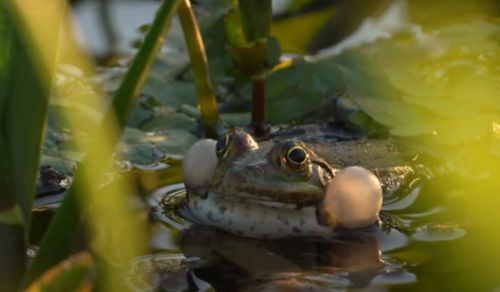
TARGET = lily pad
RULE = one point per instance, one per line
(300, 89)
(145, 148)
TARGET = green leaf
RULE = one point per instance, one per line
(11, 216)
(26, 96)
(300, 89)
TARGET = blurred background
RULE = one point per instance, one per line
(425, 73)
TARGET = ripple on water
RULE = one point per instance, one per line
(438, 232)
(394, 278)
(402, 203)
(167, 204)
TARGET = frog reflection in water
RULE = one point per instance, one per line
(289, 187)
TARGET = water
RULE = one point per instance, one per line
(415, 238)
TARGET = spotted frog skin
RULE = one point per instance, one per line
(274, 187)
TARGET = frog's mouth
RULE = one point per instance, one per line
(248, 199)
(270, 191)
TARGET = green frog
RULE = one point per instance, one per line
(291, 186)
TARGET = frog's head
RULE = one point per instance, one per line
(270, 176)
(283, 171)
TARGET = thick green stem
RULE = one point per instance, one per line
(199, 64)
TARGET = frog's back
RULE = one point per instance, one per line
(391, 165)
(371, 154)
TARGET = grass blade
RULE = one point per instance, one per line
(56, 244)
(23, 106)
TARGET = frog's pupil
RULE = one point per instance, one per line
(297, 156)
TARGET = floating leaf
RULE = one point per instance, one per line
(300, 89)
(146, 148)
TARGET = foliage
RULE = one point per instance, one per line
(433, 85)
(23, 92)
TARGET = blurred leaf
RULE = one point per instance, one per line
(440, 87)
(256, 18)
(304, 28)
(235, 35)
(27, 96)
(220, 65)
(253, 59)
(57, 243)
(447, 12)
(23, 93)
(12, 250)
(236, 119)
(72, 274)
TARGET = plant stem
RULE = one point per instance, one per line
(199, 64)
(258, 110)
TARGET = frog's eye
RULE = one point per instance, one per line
(223, 145)
(296, 158)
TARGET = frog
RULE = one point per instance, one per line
(284, 186)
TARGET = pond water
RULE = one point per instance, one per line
(426, 241)
(410, 249)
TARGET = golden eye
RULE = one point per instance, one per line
(223, 145)
(296, 158)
